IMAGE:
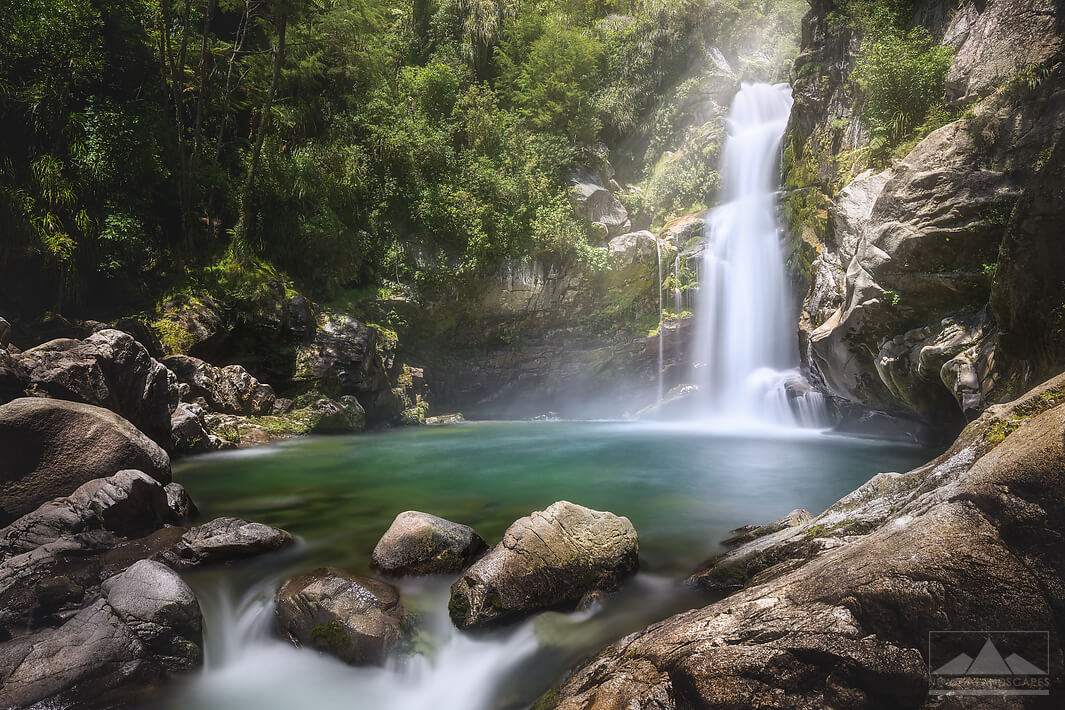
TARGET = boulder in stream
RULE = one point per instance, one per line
(420, 543)
(145, 624)
(357, 619)
(548, 559)
(224, 539)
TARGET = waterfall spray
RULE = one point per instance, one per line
(745, 350)
(661, 324)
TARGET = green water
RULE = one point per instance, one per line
(683, 488)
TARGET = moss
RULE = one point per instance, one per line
(174, 338)
(331, 635)
(1000, 429)
(548, 701)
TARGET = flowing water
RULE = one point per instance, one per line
(746, 350)
(682, 486)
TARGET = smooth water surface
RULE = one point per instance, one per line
(683, 487)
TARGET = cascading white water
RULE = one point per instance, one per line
(661, 326)
(746, 351)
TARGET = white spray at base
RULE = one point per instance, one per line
(746, 352)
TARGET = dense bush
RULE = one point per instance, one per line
(340, 143)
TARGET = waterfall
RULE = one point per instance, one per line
(661, 326)
(746, 352)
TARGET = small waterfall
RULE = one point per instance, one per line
(745, 349)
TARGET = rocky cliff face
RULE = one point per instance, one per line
(935, 286)
(543, 336)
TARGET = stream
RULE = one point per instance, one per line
(683, 486)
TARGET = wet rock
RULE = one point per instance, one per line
(225, 539)
(748, 533)
(357, 619)
(158, 606)
(51, 447)
(681, 402)
(420, 543)
(842, 615)
(442, 419)
(108, 369)
(146, 624)
(179, 502)
(548, 559)
(129, 503)
(230, 389)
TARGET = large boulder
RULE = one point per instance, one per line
(357, 619)
(837, 611)
(224, 539)
(230, 389)
(420, 543)
(108, 369)
(5, 333)
(146, 624)
(57, 555)
(51, 447)
(548, 559)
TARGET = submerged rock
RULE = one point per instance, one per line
(420, 543)
(145, 624)
(357, 619)
(224, 539)
(547, 559)
(51, 447)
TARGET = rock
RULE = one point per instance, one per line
(355, 618)
(188, 428)
(129, 503)
(108, 369)
(142, 332)
(5, 333)
(51, 447)
(190, 324)
(146, 625)
(13, 378)
(594, 203)
(548, 559)
(324, 415)
(157, 605)
(1028, 292)
(420, 543)
(681, 402)
(442, 419)
(230, 389)
(748, 533)
(342, 358)
(225, 539)
(179, 502)
(842, 617)
(1002, 39)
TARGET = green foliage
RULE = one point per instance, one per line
(899, 73)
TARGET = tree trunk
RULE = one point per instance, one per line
(257, 149)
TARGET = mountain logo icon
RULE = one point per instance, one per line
(988, 662)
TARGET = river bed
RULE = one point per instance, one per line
(682, 486)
